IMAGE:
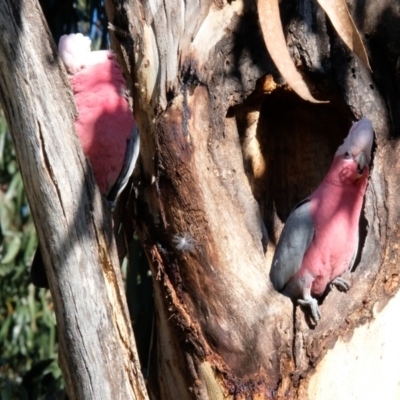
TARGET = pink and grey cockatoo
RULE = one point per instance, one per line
(105, 124)
(319, 241)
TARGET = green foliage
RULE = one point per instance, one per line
(28, 359)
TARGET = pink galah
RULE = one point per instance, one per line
(320, 239)
(105, 124)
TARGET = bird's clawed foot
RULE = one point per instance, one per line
(313, 304)
(341, 284)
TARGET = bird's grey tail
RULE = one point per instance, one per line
(131, 156)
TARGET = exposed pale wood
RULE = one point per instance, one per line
(97, 348)
(366, 365)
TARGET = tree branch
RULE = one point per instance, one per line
(97, 348)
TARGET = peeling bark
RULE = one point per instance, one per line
(97, 348)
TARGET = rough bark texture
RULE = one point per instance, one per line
(97, 347)
(220, 130)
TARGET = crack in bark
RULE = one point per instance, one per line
(84, 360)
(49, 167)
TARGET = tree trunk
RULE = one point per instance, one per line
(97, 348)
(227, 147)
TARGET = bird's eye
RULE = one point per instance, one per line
(347, 155)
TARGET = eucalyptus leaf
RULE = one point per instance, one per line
(339, 15)
(12, 250)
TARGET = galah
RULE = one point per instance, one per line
(319, 241)
(105, 124)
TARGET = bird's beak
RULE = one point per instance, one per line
(361, 160)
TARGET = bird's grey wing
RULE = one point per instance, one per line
(295, 239)
(131, 156)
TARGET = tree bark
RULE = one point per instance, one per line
(227, 146)
(97, 348)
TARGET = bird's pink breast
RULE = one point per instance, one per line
(105, 122)
(335, 208)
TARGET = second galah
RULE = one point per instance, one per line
(105, 124)
(320, 239)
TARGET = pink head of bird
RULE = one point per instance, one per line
(357, 146)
